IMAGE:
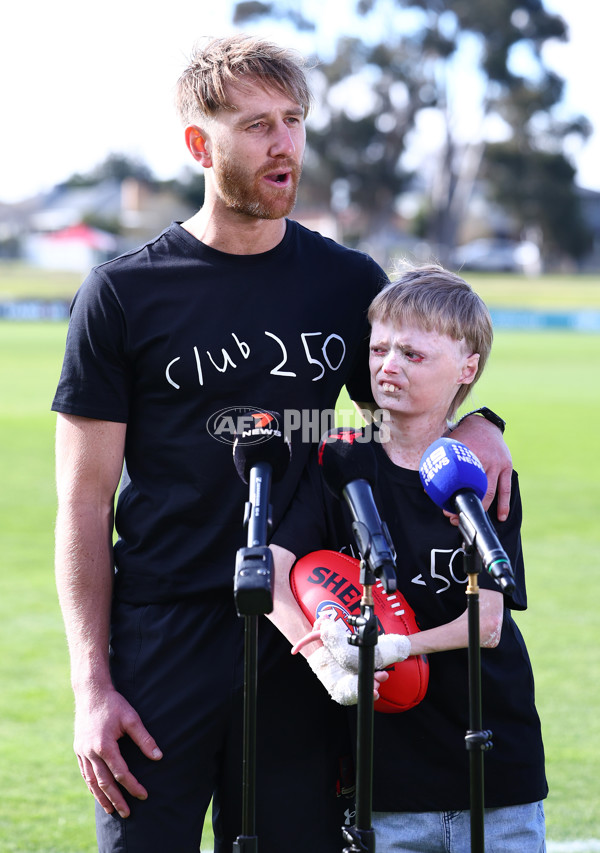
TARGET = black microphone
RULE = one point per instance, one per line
(261, 455)
(349, 468)
(454, 479)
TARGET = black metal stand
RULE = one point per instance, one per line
(247, 842)
(477, 741)
(253, 592)
(361, 836)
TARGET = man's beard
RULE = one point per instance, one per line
(248, 195)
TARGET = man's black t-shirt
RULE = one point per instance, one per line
(420, 759)
(180, 341)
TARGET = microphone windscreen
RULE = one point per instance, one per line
(448, 467)
(345, 455)
(262, 443)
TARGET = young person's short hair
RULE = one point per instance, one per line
(437, 300)
(202, 88)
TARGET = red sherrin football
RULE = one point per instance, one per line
(327, 580)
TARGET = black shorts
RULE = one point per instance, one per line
(181, 666)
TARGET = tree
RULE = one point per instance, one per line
(114, 166)
(358, 149)
(357, 152)
(530, 176)
(536, 187)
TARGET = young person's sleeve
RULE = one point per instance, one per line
(304, 526)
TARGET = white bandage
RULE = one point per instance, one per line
(390, 648)
(341, 685)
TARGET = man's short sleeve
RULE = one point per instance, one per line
(95, 378)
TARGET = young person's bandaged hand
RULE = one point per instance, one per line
(390, 648)
(341, 684)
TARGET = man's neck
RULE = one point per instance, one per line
(235, 234)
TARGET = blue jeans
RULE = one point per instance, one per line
(513, 829)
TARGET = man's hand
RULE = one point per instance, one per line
(102, 718)
(486, 442)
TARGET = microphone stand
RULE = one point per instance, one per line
(477, 741)
(253, 592)
(361, 836)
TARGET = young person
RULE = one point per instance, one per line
(239, 309)
(430, 339)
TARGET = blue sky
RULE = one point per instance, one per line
(81, 79)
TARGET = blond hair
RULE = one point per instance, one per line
(438, 300)
(201, 90)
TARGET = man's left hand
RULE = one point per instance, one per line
(486, 442)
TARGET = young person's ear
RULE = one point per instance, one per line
(198, 145)
(469, 371)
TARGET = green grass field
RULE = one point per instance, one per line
(547, 387)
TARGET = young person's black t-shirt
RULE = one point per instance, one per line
(420, 759)
(176, 339)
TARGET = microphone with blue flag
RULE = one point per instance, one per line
(454, 479)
